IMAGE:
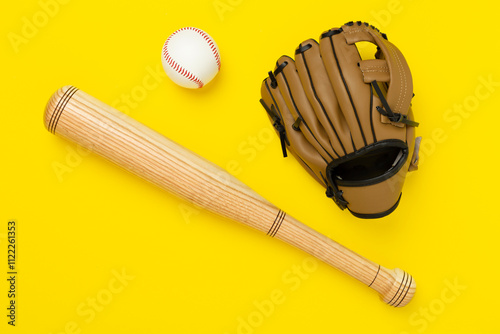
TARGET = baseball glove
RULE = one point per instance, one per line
(346, 120)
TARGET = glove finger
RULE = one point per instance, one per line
(319, 91)
(298, 145)
(291, 90)
(355, 97)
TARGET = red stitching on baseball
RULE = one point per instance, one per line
(178, 68)
(211, 44)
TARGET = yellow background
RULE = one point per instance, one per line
(184, 270)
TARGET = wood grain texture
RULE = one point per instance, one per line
(79, 117)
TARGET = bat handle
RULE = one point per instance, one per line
(395, 286)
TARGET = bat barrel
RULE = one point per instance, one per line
(83, 119)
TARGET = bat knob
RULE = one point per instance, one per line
(401, 291)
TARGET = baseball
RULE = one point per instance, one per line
(190, 57)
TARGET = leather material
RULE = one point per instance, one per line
(335, 122)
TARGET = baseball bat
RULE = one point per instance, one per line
(81, 118)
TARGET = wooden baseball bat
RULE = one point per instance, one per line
(81, 118)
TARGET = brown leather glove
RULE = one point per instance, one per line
(347, 121)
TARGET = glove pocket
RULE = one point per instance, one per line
(371, 179)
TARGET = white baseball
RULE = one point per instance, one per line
(190, 57)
